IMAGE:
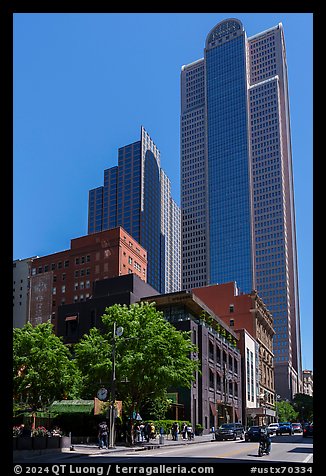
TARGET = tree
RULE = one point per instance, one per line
(286, 411)
(151, 355)
(303, 404)
(43, 369)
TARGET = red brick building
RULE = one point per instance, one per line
(247, 311)
(67, 277)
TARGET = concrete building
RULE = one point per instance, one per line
(248, 312)
(237, 200)
(215, 396)
(67, 277)
(137, 196)
(21, 284)
(249, 350)
(308, 382)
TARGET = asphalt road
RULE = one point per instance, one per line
(285, 449)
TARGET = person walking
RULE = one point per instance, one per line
(103, 432)
(183, 430)
(147, 431)
(175, 431)
(189, 431)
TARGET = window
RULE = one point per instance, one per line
(231, 322)
(231, 308)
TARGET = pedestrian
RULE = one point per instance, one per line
(147, 431)
(137, 432)
(175, 431)
(153, 432)
(142, 434)
(184, 430)
(189, 432)
(103, 432)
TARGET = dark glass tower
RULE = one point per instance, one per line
(137, 196)
(236, 180)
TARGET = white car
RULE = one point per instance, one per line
(272, 427)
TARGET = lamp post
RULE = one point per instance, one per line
(276, 407)
(117, 332)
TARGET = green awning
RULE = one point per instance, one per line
(72, 406)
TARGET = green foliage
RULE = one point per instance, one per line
(156, 408)
(167, 425)
(303, 404)
(286, 411)
(42, 367)
(93, 358)
(151, 355)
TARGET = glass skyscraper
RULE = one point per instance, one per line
(237, 201)
(137, 196)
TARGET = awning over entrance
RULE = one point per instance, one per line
(72, 406)
(71, 318)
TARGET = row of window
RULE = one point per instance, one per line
(51, 267)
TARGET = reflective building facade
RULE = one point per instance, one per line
(137, 196)
(237, 200)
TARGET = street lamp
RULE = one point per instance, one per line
(278, 397)
(117, 332)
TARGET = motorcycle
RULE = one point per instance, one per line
(264, 448)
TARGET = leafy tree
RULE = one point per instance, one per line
(151, 355)
(42, 367)
(303, 404)
(286, 411)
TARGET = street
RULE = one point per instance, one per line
(285, 449)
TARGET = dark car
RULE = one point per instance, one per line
(285, 428)
(296, 427)
(229, 431)
(308, 430)
(253, 433)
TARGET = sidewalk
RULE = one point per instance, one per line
(138, 446)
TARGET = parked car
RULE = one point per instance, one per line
(308, 430)
(272, 427)
(296, 427)
(229, 431)
(252, 433)
(285, 427)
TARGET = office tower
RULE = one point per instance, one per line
(237, 201)
(137, 196)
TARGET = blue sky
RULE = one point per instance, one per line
(84, 83)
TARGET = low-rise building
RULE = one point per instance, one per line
(67, 277)
(308, 382)
(75, 320)
(249, 312)
(20, 291)
(215, 395)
